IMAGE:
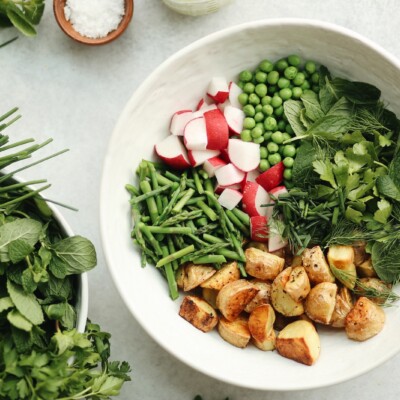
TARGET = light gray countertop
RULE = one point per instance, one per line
(75, 94)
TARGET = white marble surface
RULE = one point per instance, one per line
(75, 93)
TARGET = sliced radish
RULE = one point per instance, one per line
(212, 164)
(276, 192)
(250, 176)
(217, 130)
(204, 102)
(230, 198)
(259, 228)
(255, 199)
(275, 241)
(195, 134)
(172, 152)
(219, 188)
(234, 91)
(229, 175)
(223, 105)
(198, 157)
(179, 120)
(218, 89)
(272, 177)
(244, 155)
(234, 118)
(225, 156)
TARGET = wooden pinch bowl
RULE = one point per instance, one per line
(68, 29)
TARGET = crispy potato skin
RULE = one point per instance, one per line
(366, 269)
(365, 320)
(316, 266)
(262, 297)
(263, 265)
(343, 305)
(298, 284)
(300, 342)
(199, 313)
(234, 332)
(261, 322)
(227, 274)
(342, 257)
(233, 298)
(359, 253)
(195, 275)
(210, 296)
(320, 302)
(382, 289)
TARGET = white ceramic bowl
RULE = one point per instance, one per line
(181, 81)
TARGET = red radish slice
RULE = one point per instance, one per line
(230, 198)
(172, 152)
(198, 157)
(212, 164)
(217, 130)
(225, 156)
(195, 134)
(229, 175)
(234, 118)
(219, 188)
(234, 91)
(275, 241)
(179, 120)
(204, 102)
(218, 89)
(276, 192)
(222, 106)
(254, 197)
(259, 228)
(250, 176)
(272, 177)
(244, 155)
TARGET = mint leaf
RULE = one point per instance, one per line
(341, 108)
(292, 109)
(330, 127)
(16, 319)
(384, 210)
(386, 187)
(312, 105)
(5, 304)
(18, 250)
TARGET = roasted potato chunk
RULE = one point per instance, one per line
(365, 320)
(366, 269)
(228, 273)
(316, 266)
(235, 332)
(262, 297)
(281, 300)
(199, 313)
(263, 265)
(342, 258)
(261, 326)
(343, 305)
(210, 296)
(373, 288)
(233, 298)
(320, 302)
(194, 275)
(298, 284)
(359, 253)
(300, 342)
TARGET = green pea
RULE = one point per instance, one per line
(246, 76)
(296, 92)
(249, 123)
(261, 126)
(288, 162)
(281, 125)
(310, 67)
(261, 90)
(254, 99)
(266, 66)
(256, 132)
(258, 117)
(249, 110)
(299, 79)
(277, 137)
(267, 109)
(279, 111)
(305, 86)
(315, 78)
(290, 72)
(276, 101)
(267, 135)
(270, 124)
(274, 158)
(287, 174)
(264, 165)
(286, 136)
(258, 108)
(272, 89)
(243, 98)
(289, 150)
(261, 77)
(289, 129)
(266, 100)
(249, 88)
(272, 147)
(263, 152)
(273, 77)
(281, 65)
(245, 135)
(283, 83)
(285, 94)
(258, 140)
(294, 60)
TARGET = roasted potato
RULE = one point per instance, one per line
(296, 261)
(373, 288)
(343, 305)
(228, 273)
(235, 332)
(365, 320)
(281, 300)
(359, 253)
(210, 296)
(180, 276)
(199, 313)
(233, 298)
(262, 297)
(263, 265)
(316, 266)
(366, 269)
(298, 284)
(257, 245)
(194, 275)
(300, 342)
(320, 302)
(261, 326)
(342, 258)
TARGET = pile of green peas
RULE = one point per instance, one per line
(264, 92)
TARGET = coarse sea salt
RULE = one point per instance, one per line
(94, 18)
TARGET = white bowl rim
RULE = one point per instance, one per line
(141, 91)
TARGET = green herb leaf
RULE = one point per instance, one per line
(386, 187)
(5, 304)
(384, 210)
(312, 105)
(18, 250)
(16, 319)
(325, 171)
(386, 261)
(20, 21)
(292, 109)
(330, 127)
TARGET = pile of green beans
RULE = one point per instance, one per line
(178, 219)
(264, 92)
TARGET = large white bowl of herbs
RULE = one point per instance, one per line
(181, 81)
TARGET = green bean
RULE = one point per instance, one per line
(212, 239)
(197, 181)
(230, 254)
(151, 204)
(172, 202)
(170, 274)
(194, 200)
(150, 238)
(171, 230)
(154, 183)
(171, 249)
(207, 210)
(175, 256)
(204, 251)
(181, 203)
(236, 221)
(242, 216)
(210, 259)
(132, 190)
(151, 193)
